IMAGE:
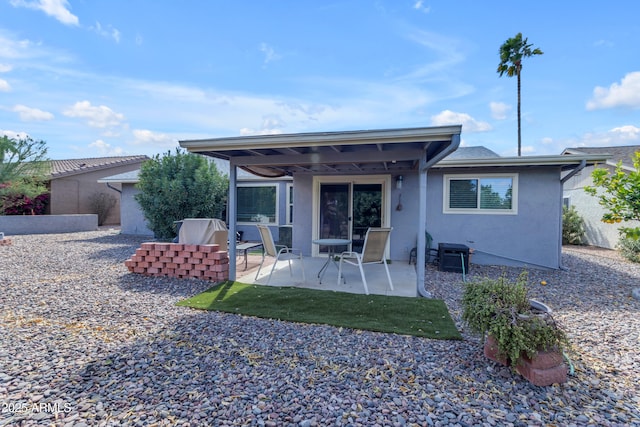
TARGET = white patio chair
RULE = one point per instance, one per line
(375, 242)
(279, 252)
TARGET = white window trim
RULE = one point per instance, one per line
(262, 184)
(289, 205)
(479, 211)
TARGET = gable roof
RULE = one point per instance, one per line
(64, 168)
(621, 153)
(361, 151)
(475, 152)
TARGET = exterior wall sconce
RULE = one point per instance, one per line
(399, 180)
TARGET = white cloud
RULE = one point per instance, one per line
(105, 149)
(271, 125)
(28, 114)
(13, 134)
(4, 86)
(623, 94)
(98, 117)
(5, 68)
(155, 139)
(419, 5)
(108, 32)
(270, 54)
(469, 124)
(58, 9)
(499, 110)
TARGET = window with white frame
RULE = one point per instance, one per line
(289, 204)
(488, 194)
(257, 203)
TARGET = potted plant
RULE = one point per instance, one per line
(516, 331)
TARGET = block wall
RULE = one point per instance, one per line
(181, 261)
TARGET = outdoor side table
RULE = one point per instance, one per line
(331, 244)
(245, 248)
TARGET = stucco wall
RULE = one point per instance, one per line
(47, 224)
(532, 237)
(132, 219)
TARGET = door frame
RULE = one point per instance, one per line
(383, 180)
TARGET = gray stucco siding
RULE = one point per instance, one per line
(530, 237)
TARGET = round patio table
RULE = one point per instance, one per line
(331, 244)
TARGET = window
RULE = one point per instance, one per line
(257, 204)
(492, 194)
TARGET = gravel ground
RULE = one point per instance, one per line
(86, 343)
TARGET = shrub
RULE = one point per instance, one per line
(572, 227)
(629, 248)
(102, 204)
(178, 186)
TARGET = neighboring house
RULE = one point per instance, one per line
(132, 219)
(509, 209)
(73, 182)
(598, 233)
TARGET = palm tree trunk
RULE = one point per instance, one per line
(519, 127)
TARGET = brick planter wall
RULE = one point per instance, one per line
(545, 368)
(181, 261)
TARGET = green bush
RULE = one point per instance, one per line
(503, 310)
(178, 186)
(629, 248)
(572, 227)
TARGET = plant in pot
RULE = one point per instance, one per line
(516, 331)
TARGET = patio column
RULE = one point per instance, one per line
(422, 216)
(231, 210)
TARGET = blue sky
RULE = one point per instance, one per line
(121, 77)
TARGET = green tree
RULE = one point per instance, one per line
(24, 169)
(619, 195)
(512, 52)
(177, 186)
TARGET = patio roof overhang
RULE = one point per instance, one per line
(364, 151)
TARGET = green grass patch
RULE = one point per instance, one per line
(420, 317)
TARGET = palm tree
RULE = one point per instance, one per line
(512, 52)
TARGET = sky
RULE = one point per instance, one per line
(112, 78)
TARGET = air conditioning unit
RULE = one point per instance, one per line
(453, 257)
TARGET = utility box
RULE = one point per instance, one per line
(453, 257)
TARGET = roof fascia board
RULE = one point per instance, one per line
(565, 160)
(324, 138)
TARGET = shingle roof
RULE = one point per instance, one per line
(476, 152)
(61, 168)
(623, 153)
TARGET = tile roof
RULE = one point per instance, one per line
(61, 168)
(623, 153)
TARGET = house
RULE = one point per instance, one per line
(72, 184)
(509, 209)
(597, 233)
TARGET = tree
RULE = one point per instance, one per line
(178, 186)
(24, 168)
(620, 195)
(512, 52)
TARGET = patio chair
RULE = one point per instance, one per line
(375, 242)
(429, 252)
(279, 252)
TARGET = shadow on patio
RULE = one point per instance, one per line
(403, 276)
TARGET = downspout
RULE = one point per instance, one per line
(422, 210)
(582, 165)
(113, 188)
